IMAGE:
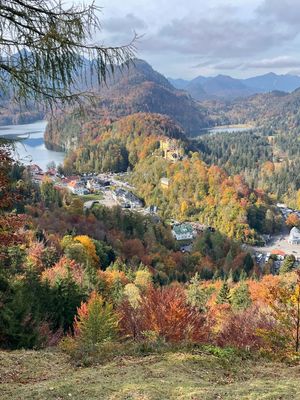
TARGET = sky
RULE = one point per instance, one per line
(188, 38)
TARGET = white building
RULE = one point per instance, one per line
(294, 237)
(183, 232)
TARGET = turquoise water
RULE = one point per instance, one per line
(31, 148)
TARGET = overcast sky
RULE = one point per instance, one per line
(187, 38)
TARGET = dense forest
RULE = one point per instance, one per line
(120, 145)
(196, 192)
(268, 155)
(14, 114)
(96, 281)
(206, 194)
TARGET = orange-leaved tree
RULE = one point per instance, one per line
(284, 303)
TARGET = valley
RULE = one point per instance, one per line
(149, 200)
(149, 226)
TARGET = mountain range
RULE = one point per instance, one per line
(226, 87)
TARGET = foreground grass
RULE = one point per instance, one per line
(49, 375)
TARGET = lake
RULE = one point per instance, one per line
(226, 129)
(31, 148)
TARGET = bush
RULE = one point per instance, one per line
(241, 329)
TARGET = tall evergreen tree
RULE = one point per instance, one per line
(240, 298)
(224, 294)
(288, 264)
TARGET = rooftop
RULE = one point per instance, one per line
(183, 229)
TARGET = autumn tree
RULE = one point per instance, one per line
(293, 220)
(143, 278)
(165, 313)
(95, 322)
(10, 222)
(90, 248)
(284, 302)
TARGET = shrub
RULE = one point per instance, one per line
(242, 329)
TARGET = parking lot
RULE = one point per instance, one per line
(280, 242)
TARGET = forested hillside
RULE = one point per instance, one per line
(120, 145)
(137, 88)
(276, 110)
(196, 192)
(206, 194)
(268, 155)
(14, 114)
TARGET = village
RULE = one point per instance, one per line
(109, 189)
(113, 189)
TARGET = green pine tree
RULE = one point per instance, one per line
(224, 294)
(96, 322)
(288, 264)
(240, 298)
(197, 296)
(243, 276)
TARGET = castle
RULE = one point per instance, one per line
(171, 149)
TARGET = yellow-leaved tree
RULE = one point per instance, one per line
(90, 248)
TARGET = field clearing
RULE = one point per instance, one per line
(48, 375)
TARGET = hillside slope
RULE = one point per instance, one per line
(275, 109)
(121, 144)
(45, 375)
(135, 89)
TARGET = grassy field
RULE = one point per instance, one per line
(91, 196)
(49, 375)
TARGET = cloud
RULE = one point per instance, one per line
(181, 37)
(283, 11)
(276, 62)
(119, 25)
(224, 38)
(230, 65)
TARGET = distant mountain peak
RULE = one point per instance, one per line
(226, 87)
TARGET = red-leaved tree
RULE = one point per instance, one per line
(165, 312)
